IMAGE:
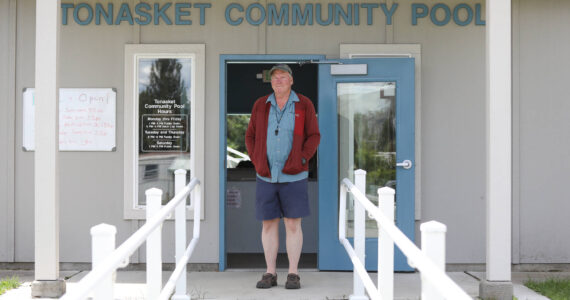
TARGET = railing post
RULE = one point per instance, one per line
(153, 246)
(180, 232)
(433, 245)
(386, 246)
(359, 234)
(103, 244)
(342, 213)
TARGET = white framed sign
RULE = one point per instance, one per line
(87, 119)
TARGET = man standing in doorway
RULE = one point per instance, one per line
(283, 134)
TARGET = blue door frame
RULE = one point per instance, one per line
(224, 59)
(332, 255)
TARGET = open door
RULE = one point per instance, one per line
(366, 118)
(242, 81)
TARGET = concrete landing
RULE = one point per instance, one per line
(240, 285)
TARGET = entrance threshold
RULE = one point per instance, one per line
(257, 261)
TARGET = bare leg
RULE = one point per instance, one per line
(270, 241)
(294, 242)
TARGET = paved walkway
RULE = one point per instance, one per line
(240, 285)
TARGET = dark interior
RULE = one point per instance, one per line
(257, 261)
(243, 86)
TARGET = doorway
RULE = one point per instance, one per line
(378, 103)
(243, 79)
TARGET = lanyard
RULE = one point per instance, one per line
(278, 119)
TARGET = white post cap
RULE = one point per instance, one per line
(433, 226)
(153, 192)
(103, 229)
(360, 172)
(180, 171)
(386, 191)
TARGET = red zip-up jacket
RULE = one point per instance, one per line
(306, 136)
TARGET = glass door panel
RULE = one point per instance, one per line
(367, 140)
(364, 127)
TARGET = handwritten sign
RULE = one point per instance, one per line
(86, 119)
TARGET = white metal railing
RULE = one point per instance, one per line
(240, 154)
(430, 261)
(233, 161)
(106, 259)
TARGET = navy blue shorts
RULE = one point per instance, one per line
(286, 199)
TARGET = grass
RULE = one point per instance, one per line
(554, 288)
(9, 283)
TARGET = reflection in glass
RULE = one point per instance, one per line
(367, 139)
(164, 123)
(237, 156)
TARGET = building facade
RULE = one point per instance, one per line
(118, 44)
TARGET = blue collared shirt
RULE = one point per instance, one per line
(279, 145)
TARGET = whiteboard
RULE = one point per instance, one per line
(87, 118)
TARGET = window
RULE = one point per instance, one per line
(164, 120)
(150, 172)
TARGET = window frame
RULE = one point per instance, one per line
(133, 52)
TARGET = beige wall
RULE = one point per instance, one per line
(23, 175)
(93, 58)
(453, 129)
(542, 141)
(452, 113)
(91, 183)
(7, 119)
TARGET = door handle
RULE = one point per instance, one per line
(406, 164)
